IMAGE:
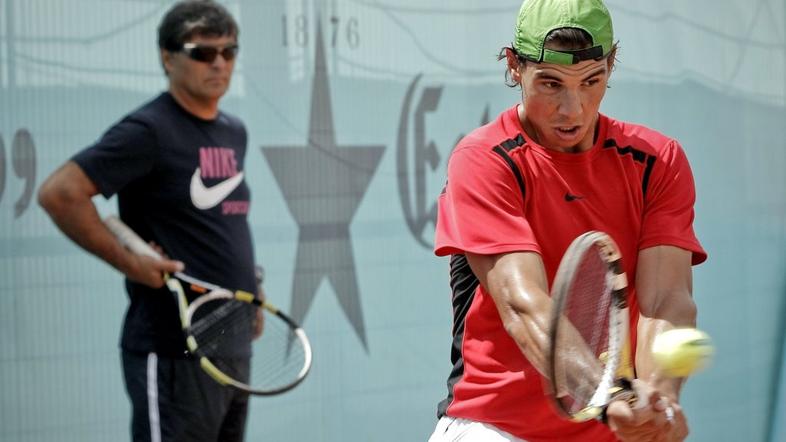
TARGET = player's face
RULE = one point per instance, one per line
(561, 102)
(202, 79)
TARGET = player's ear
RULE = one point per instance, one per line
(515, 65)
(611, 58)
(166, 61)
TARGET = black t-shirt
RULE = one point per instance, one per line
(180, 182)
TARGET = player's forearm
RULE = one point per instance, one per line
(518, 284)
(664, 291)
(680, 312)
(81, 223)
(74, 213)
(577, 368)
(526, 321)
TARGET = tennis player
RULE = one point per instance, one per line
(518, 191)
(177, 166)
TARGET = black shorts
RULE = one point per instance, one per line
(172, 399)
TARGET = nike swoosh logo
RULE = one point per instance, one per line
(570, 197)
(205, 197)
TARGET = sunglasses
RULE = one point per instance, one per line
(208, 54)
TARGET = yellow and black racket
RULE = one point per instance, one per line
(218, 317)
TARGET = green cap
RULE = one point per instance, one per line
(537, 18)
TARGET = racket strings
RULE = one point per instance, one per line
(590, 302)
(585, 314)
(223, 328)
(278, 356)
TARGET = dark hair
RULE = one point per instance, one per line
(569, 39)
(194, 17)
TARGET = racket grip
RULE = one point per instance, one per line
(129, 238)
(624, 391)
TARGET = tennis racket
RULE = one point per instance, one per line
(218, 317)
(589, 329)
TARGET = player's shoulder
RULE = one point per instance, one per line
(502, 132)
(625, 134)
(163, 102)
(141, 120)
(231, 120)
(153, 113)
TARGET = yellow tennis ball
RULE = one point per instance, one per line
(682, 351)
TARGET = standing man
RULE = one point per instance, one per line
(177, 166)
(519, 190)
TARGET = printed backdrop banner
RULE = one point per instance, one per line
(353, 108)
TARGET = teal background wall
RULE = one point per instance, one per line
(371, 96)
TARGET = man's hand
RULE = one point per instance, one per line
(259, 321)
(664, 291)
(150, 271)
(654, 418)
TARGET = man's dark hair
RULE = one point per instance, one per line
(194, 17)
(569, 39)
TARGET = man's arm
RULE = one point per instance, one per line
(664, 292)
(259, 320)
(67, 197)
(517, 283)
(664, 287)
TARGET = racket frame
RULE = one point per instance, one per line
(216, 293)
(212, 292)
(610, 385)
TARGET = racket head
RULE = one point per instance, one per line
(588, 328)
(219, 320)
(281, 356)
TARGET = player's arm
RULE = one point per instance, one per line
(67, 195)
(517, 283)
(259, 319)
(664, 293)
(664, 289)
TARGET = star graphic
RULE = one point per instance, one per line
(323, 183)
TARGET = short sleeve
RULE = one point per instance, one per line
(124, 153)
(668, 204)
(481, 209)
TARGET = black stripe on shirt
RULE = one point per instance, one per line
(502, 150)
(463, 284)
(639, 156)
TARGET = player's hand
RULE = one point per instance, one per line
(259, 323)
(150, 271)
(259, 320)
(654, 418)
(678, 428)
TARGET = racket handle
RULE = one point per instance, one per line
(129, 238)
(625, 391)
